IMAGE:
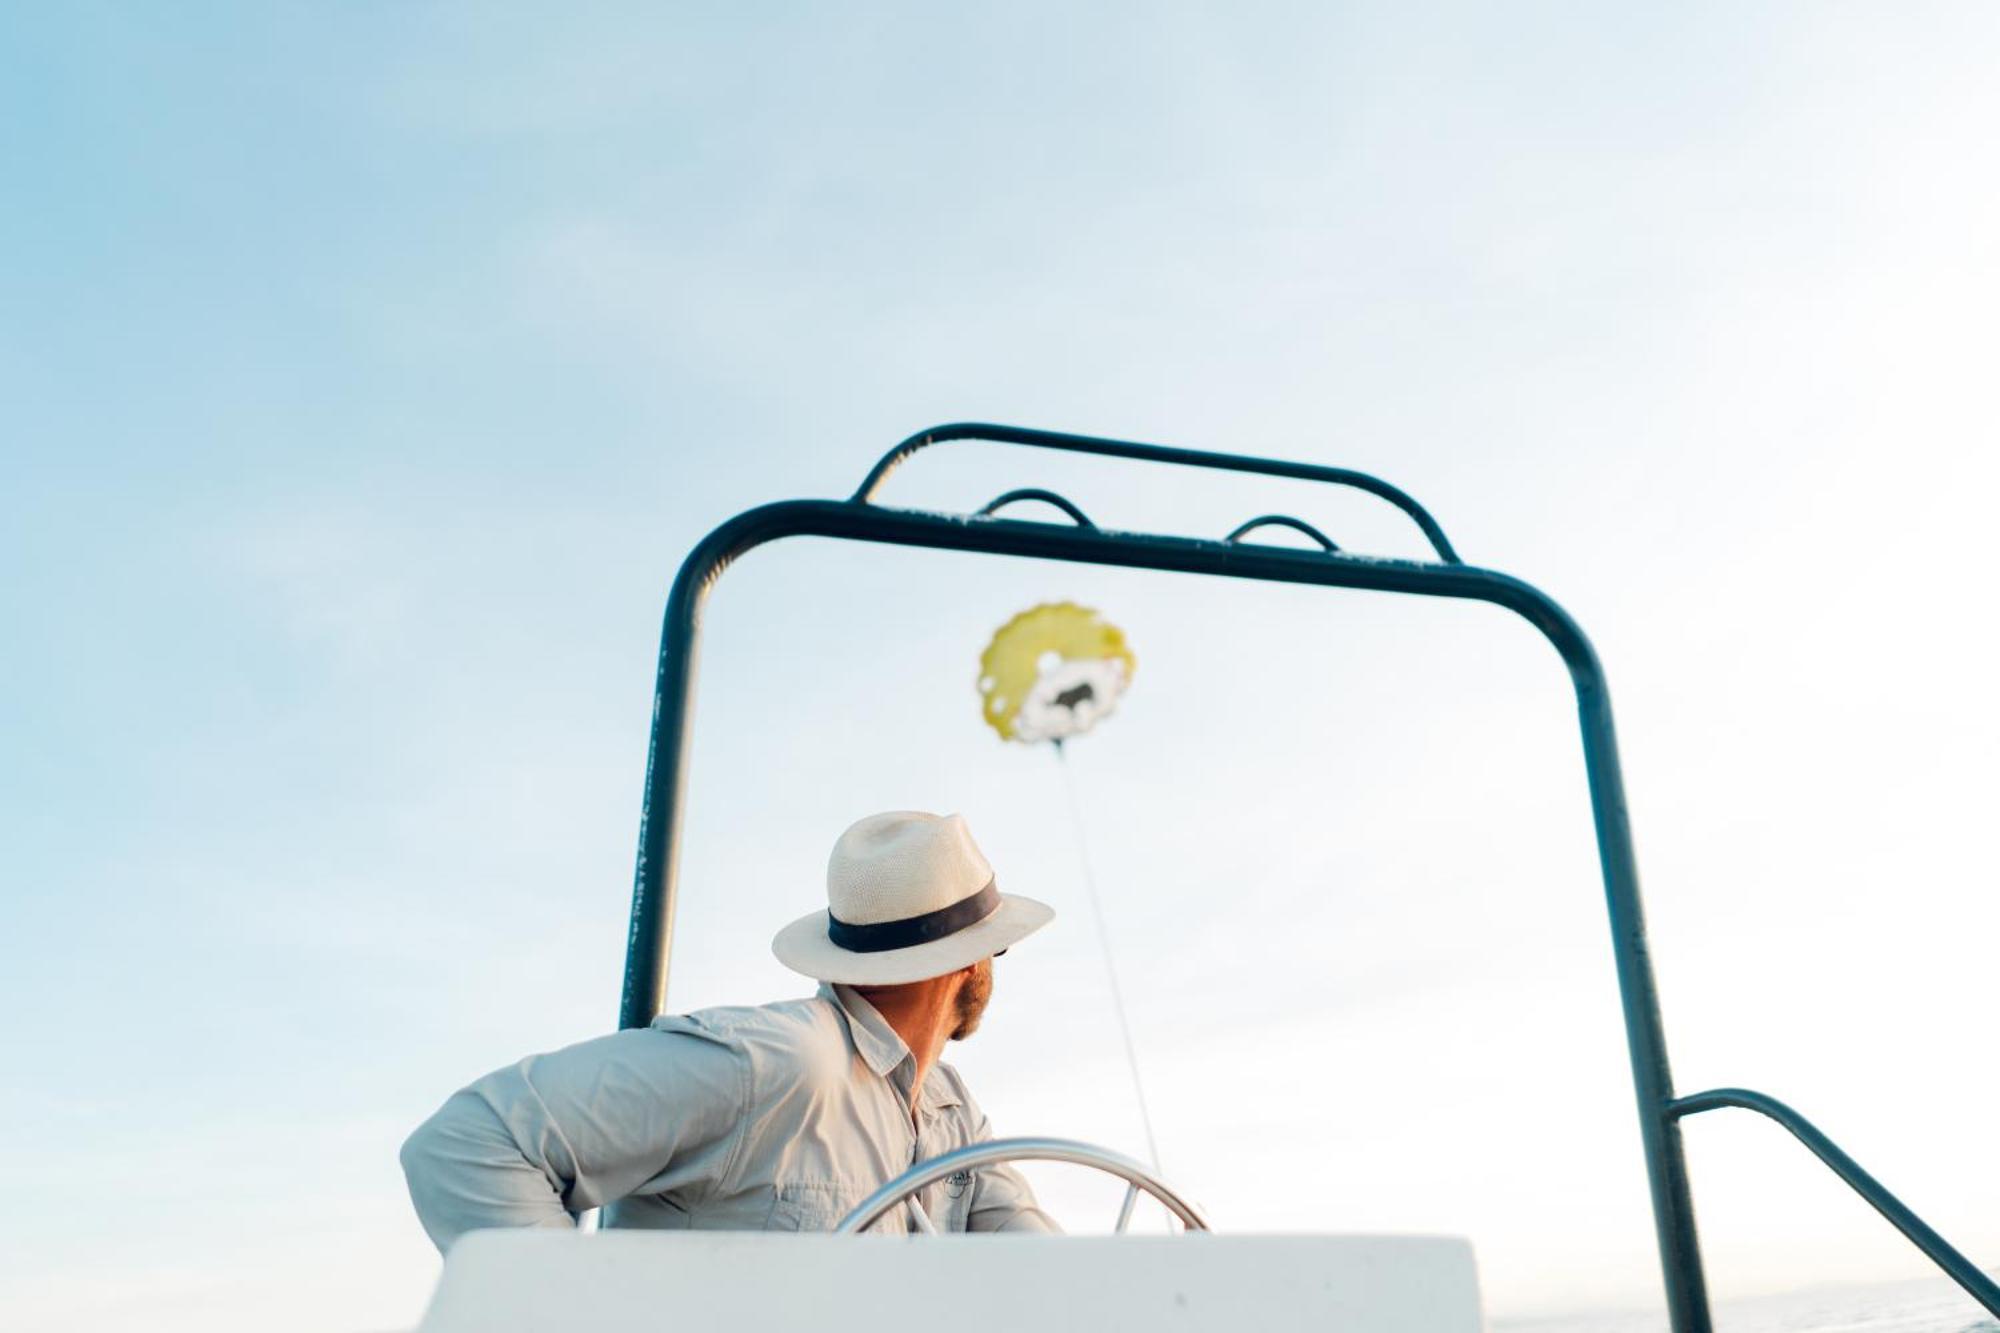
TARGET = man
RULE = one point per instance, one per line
(780, 1117)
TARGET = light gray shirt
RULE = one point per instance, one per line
(780, 1117)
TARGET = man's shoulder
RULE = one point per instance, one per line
(802, 1028)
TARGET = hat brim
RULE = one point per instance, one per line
(804, 947)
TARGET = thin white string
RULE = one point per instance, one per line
(1104, 946)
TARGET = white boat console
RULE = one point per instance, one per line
(753, 1282)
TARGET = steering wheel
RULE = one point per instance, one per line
(994, 1151)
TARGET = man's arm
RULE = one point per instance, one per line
(532, 1144)
(1001, 1198)
(1002, 1201)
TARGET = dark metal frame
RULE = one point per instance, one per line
(656, 881)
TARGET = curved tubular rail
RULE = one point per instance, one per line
(1284, 521)
(1035, 493)
(992, 1152)
(655, 881)
(1960, 1269)
(1157, 453)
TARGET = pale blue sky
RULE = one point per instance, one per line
(367, 370)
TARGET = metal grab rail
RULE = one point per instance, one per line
(1940, 1252)
(656, 874)
(1157, 453)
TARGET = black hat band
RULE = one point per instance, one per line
(913, 930)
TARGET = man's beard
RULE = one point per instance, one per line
(972, 999)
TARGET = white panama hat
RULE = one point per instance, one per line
(909, 896)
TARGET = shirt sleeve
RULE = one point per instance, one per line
(535, 1143)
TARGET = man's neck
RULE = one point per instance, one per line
(921, 1013)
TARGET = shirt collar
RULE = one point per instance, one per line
(867, 1029)
(882, 1048)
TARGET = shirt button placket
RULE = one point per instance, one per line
(920, 1152)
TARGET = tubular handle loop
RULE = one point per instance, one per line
(1036, 493)
(1285, 521)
